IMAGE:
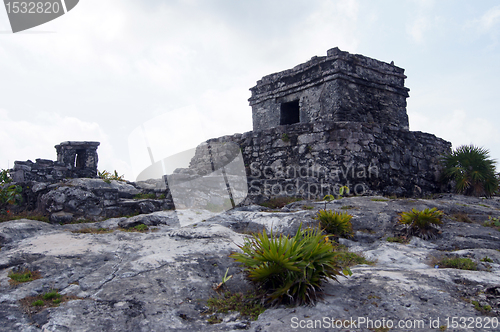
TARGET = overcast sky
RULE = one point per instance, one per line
(109, 70)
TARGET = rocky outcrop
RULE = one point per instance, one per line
(93, 199)
(160, 280)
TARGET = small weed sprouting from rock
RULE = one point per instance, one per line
(493, 222)
(17, 278)
(285, 138)
(279, 202)
(247, 305)
(335, 223)
(347, 259)
(290, 270)
(422, 223)
(483, 309)
(145, 196)
(398, 239)
(308, 207)
(457, 263)
(108, 177)
(461, 217)
(486, 259)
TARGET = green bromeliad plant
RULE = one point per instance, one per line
(336, 223)
(290, 270)
(422, 223)
(472, 170)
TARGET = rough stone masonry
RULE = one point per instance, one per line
(336, 120)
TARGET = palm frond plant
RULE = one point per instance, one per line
(290, 270)
(336, 223)
(472, 170)
(422, 223)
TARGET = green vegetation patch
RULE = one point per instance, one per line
(35, 304)
(138, 228)
(398, 239)
(461, 217)
(145, 196)
(483, 309)
(90, 230)
(422, 223)
(27, 275)
(247, 305)
(458, 263)
(279, 202)
(290, 269)
(379, 200)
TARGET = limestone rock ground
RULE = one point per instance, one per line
(160, 280)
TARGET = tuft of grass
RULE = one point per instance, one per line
(285, 138)
(458, 263)
(398, 239)
(279, 202)
(145, 196)
(27, 275)
(89, 230)
(308, 207)
(247, 305)
(461, 217)
(379, 200)
(31, 215)
(335, 223)
(138, 228)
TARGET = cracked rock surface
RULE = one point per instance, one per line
(160, 280)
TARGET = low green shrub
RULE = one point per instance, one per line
(51, 295)
(335, 223)
(37, 303)
(290, 270)
(422, 223)
(484, 309)
(285, 138)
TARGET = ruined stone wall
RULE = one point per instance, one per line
(314, 159)
(338, 87)
(74, 160)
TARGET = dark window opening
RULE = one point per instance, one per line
(80, 159)
(290, 113)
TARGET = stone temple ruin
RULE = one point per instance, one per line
(74, 160)
(336, 120)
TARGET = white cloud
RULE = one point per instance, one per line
(489, 19)
(458, 127)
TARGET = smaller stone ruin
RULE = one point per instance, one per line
(74, 160)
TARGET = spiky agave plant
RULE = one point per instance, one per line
(335, 223)
(290, 270)
(422, 223)
(472, 170)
